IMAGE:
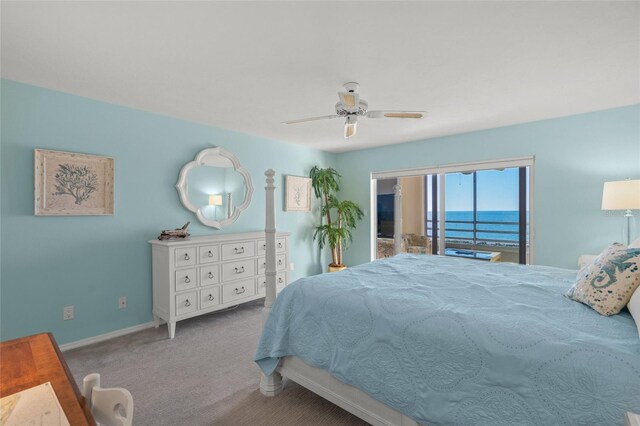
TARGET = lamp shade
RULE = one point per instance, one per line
(621, 195)
(215, 200)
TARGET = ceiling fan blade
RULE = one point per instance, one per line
(350, 100)
(395, 114)
(303, 120)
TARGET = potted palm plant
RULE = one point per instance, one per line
(337, 218)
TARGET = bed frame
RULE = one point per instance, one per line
(315, 379)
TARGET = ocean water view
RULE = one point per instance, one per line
(499, 220)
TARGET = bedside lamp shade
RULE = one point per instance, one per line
(621, 195)
(215, 200)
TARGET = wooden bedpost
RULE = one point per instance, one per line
(397, 219)
(270, 385)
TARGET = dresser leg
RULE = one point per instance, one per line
(156, 321)
(172, 329)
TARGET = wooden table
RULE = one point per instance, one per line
(30, 361)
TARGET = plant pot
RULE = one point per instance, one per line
(336, 268)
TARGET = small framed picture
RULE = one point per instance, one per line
(68, 183)
(297, 194)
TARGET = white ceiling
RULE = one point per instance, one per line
(248, 66)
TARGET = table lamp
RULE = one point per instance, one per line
(215, 200)
(622, 195)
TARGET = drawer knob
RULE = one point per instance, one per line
(187, 303)
(239, 250)
(280, 280)
(210, 254)
(264, 263)
(279, 245)
(239, 270)
(187, 279)
(279, 261)
(211, 297)
(210, 275)
(186, 256)
(264, 246)
(240, 292)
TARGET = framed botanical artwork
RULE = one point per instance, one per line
(68, 183)
(297, 194)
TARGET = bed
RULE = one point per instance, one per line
(440, 341)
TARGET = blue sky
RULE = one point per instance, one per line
(497, 190)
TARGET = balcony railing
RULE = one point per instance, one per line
(487, 236)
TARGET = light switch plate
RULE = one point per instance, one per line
(68, 313)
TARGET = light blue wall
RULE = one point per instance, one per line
(573, 157)
(88, 262)
(51, 262)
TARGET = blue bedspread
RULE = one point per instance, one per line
(449, 341)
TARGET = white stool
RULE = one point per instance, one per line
(111, 406)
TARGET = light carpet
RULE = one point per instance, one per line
(204, 376)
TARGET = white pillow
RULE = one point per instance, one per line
(635, 243)
(634, 308)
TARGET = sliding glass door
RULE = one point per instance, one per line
(485, 210)
(483, 215)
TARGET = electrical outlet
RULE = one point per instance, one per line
(68, 313)
(291, 266)
(122, 302)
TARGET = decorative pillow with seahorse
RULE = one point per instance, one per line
(609, 281)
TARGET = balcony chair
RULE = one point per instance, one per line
(417, 244)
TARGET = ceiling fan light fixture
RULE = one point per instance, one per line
(349, 100)
(350, 127)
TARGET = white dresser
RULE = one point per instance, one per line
(204, 274)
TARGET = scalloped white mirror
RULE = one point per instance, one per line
(215, 187)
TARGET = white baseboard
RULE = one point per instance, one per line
(105, 336)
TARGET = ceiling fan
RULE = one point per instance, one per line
(350, 107)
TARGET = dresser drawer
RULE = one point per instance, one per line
(238, 250)
(209, 297)
(238, 290)
(238, 270)
(185, 257)
(186, 302)
(209, 254)
(186, 279)
(281, 264)
(281, 246)
(281, 281)
(209, 275)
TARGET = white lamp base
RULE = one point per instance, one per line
(628, 214)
